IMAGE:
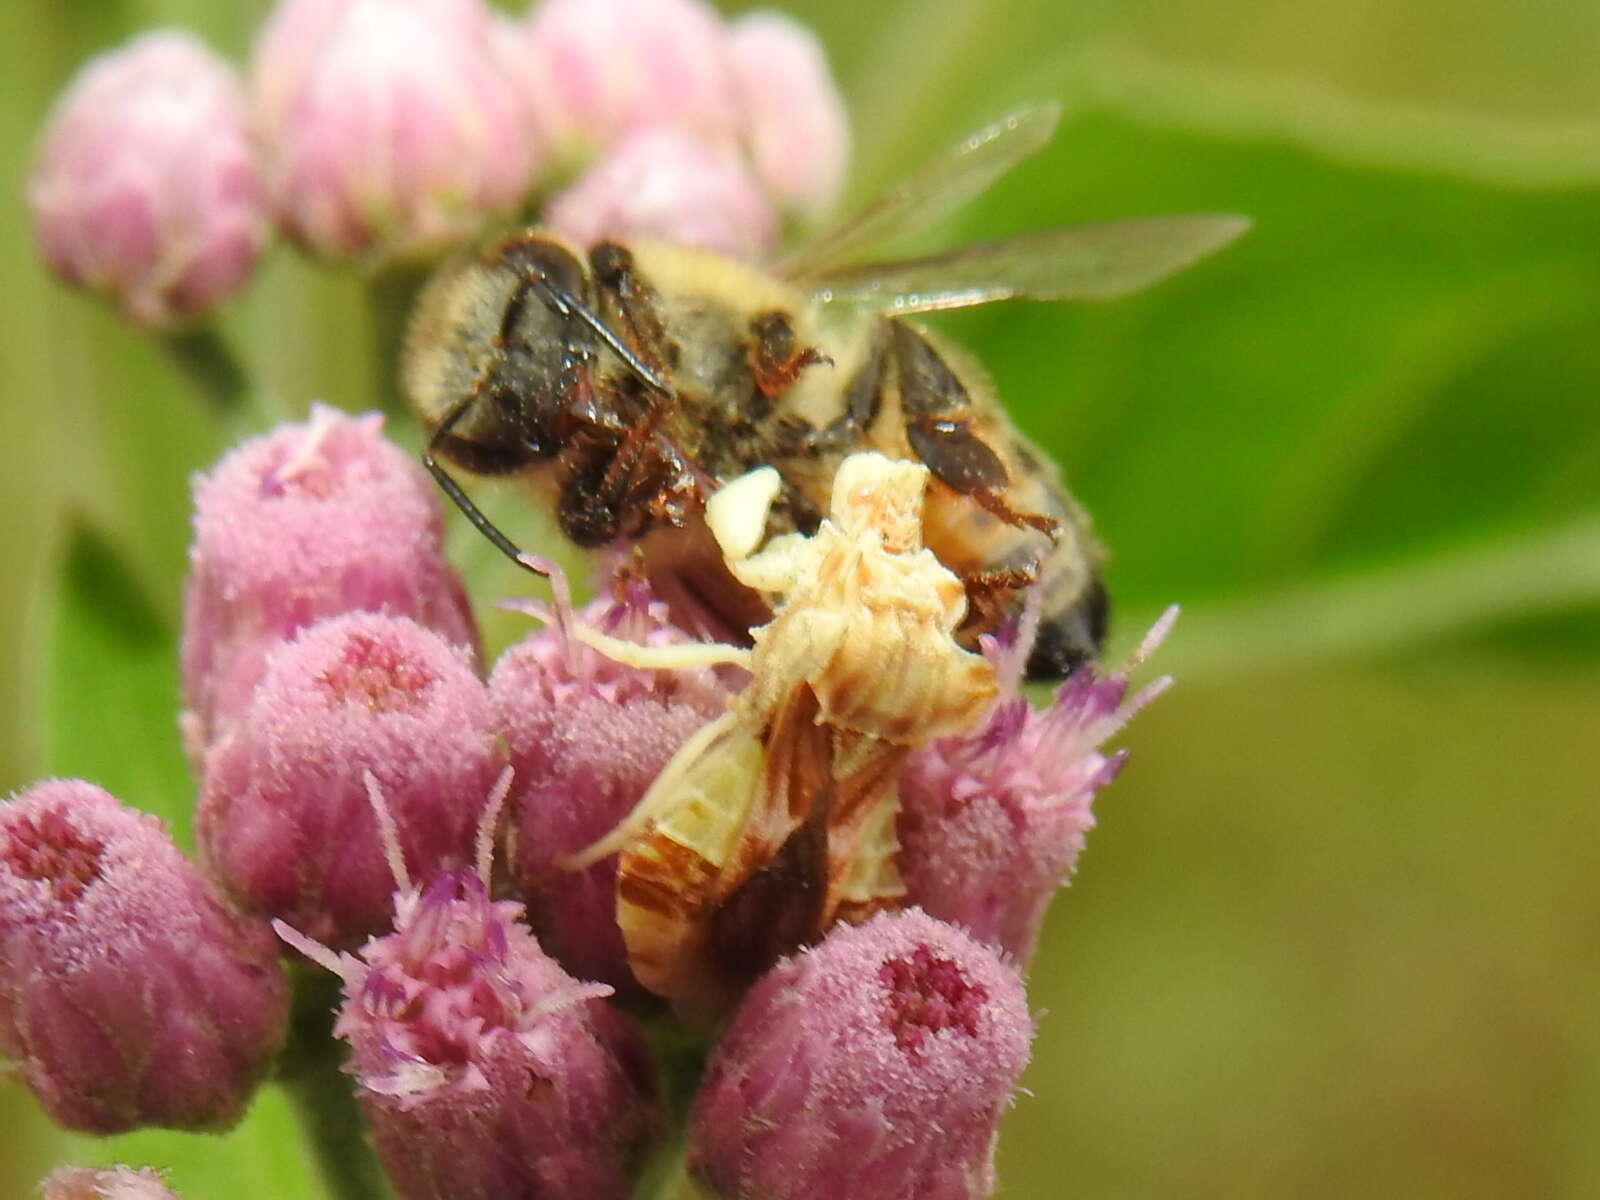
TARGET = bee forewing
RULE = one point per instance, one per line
(1077, 262)
(939, 187)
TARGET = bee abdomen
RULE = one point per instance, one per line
(1071, 633)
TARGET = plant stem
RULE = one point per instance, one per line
(323, 1097)
(209, 364)
(676, 1184)
(667, 1178)
(206, 361)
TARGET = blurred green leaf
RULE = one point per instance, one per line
(261, 1159)
(1391, 367)
(111, 693)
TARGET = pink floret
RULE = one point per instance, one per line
(875, 1066)
(309, 521)
(587, 736)
(129, 994)
(285, 823)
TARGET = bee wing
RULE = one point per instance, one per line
(1077, 262)
(940, 186)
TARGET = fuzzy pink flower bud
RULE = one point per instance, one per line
(992, 822)
(129, 995)
(484, 1069)
(285, 823)
(664, 184)
(116, 1183)
(794, 119)
(392, 130)
(596, 70)
(305, 522)
(587, 736)
(874, 1066)
(146, 188)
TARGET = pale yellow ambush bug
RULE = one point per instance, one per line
(777, 820)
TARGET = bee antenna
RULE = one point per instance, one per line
(458, 497)
(565, 304)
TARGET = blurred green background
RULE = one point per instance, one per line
(1337, 933)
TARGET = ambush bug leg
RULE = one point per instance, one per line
(661, 796)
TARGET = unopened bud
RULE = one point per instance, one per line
(129, 994)
(392, 131)
(667, 185)
(874, 1066)
(587, 735)
(992, 822)
(146, 188)
(285, 820)
(597, 70)
(308, 521)
(793, 117)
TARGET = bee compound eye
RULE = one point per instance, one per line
(547, 259)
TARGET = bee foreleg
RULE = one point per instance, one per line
(776, 357)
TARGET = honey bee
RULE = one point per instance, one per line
(777, 820)
(634, 380)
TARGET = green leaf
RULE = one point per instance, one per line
(261, 1159)
(111, 692)
(1392, 368)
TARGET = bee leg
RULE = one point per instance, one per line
(863, 397)
(776, 359)
(961, 460)
(939, 429)
(624, 294)
(988, 593)
(992, 502)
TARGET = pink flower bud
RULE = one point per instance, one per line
(794, 119)
(129, 995)
(587, 736)
(285, 823)
(992, 822)
(146, 188)
(484, 1069)
(305, 522)
(117, 1183)
(392, 130)
(664, 184)
(874, 1066)
(596, 70)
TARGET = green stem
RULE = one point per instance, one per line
(323, 1098)
(667, 1177)
(206, 361)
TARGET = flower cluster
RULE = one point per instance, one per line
(352, 751)
(382, 132)
(756, 914)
